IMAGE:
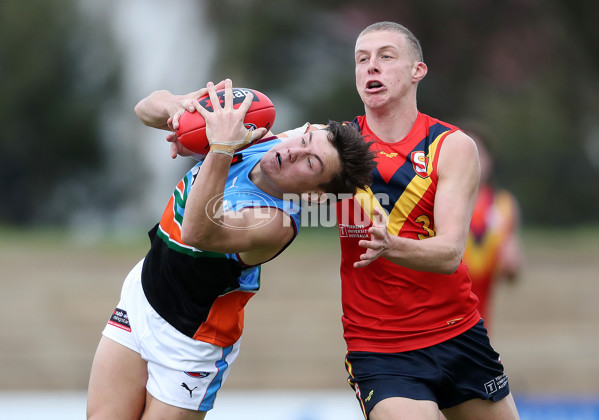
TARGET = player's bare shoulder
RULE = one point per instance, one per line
(461, 141)
(459, 153)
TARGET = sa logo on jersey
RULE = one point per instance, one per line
(420, 163)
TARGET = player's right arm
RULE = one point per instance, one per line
(158, 107)
(205, 225)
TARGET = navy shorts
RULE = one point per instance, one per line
(460, 369)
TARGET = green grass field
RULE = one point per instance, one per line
(58, 289)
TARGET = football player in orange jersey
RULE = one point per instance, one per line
(168, 346)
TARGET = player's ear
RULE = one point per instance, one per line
(419, 70)
(318, 197)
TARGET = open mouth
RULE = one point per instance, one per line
(375, 84)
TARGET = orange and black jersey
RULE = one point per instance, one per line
(200, 293)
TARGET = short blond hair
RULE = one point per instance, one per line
(396, 27)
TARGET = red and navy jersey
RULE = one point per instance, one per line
(201, 293)
(387, 307)
(493, 223)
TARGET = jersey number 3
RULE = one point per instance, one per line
(425, 221)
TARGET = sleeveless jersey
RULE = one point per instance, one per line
(386, 307)
(200, 293)
(493, 222)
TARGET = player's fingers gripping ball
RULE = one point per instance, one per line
(192, 126)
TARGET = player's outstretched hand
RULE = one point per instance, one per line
(379, 239)
(224, 125)
(188, 102)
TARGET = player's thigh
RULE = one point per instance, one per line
(504, 409)
(117, 383)
(399, 408)
(156, 409)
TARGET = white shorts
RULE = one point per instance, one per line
(183, 372)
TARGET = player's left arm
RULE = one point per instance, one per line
(459, 176)
(257, 234)
(459, 173)
(162, 109)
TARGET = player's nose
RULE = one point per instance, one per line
(373, 65)
(296, 153)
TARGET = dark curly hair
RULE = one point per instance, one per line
(357, 160)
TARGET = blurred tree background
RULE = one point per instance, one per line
(527, 69)
(57, 71)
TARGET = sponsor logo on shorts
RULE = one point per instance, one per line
(198, 374)
(357, 390)
(496, 384)
(190, 390)
(369, 395)
(120, 320)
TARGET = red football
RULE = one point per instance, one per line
(192, 126)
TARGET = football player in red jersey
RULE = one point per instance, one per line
(493, 250)
(415, 338)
